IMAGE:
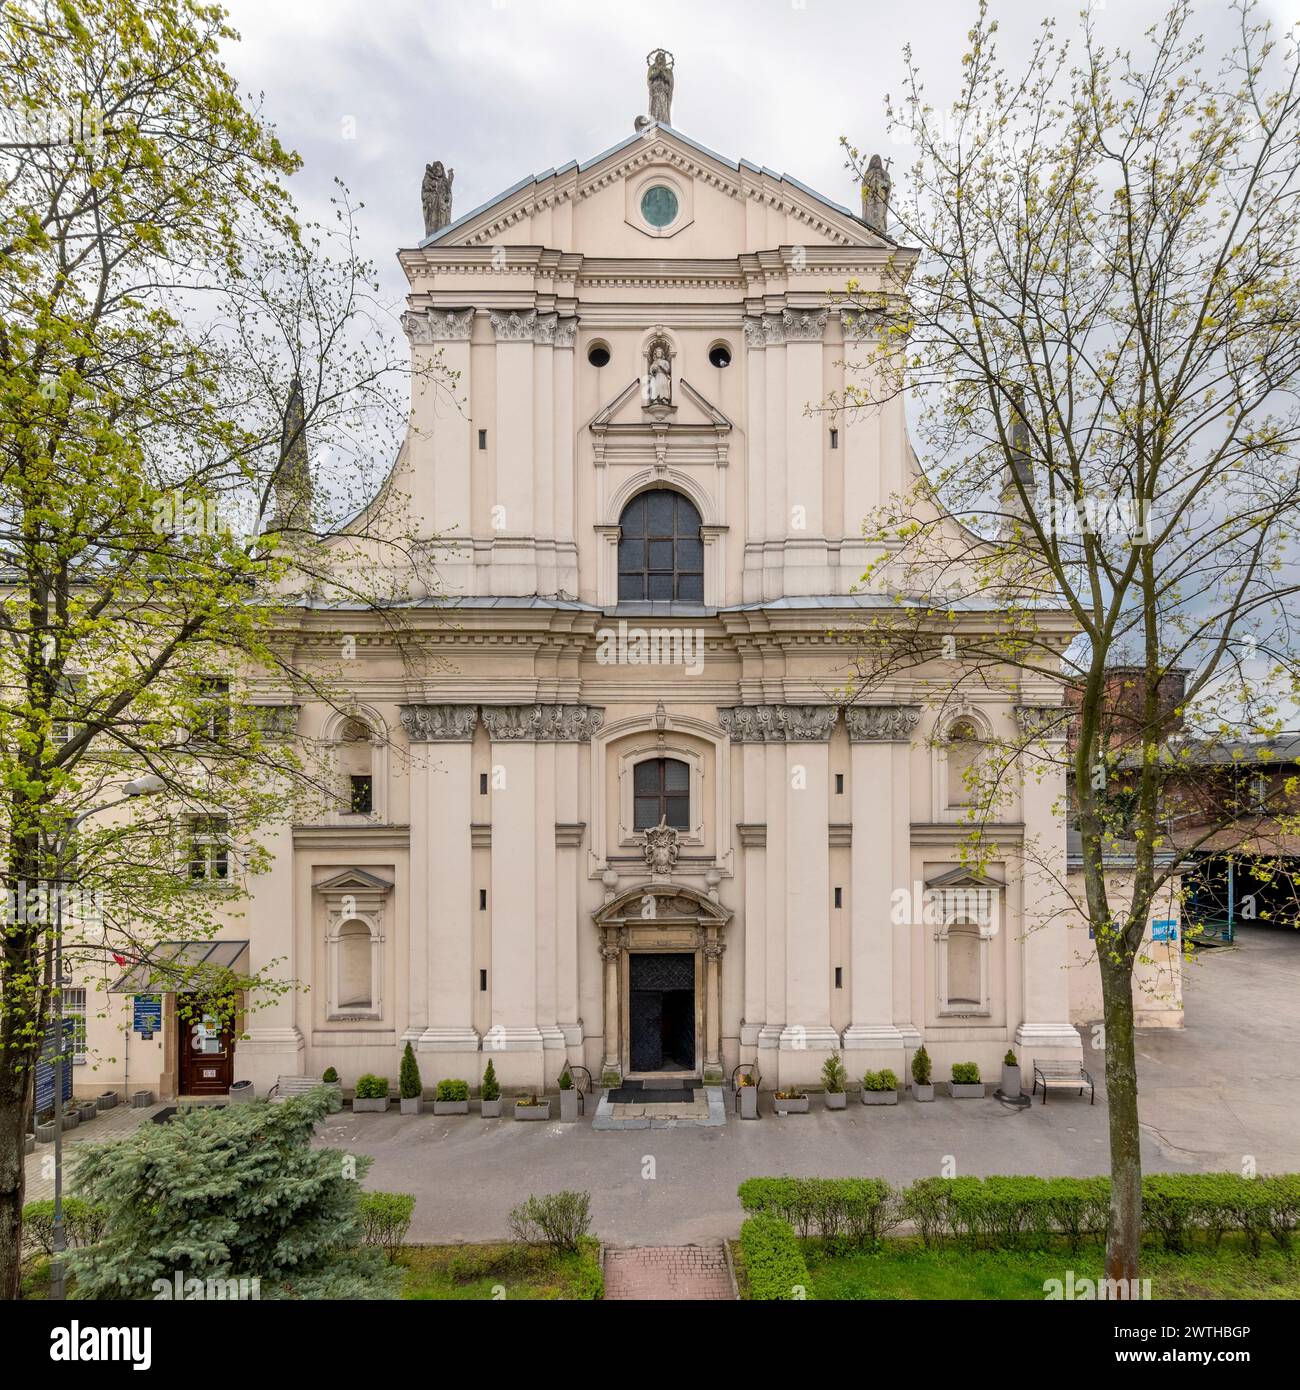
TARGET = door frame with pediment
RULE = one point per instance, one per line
(660, 918)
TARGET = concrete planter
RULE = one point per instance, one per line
(241, 1092)
(1010, 1080)
(880, 1097)
(967, 1090)
(106, 1100)
(45, 1133)
(569, 1105)
(71, 1119)
(836, 1100)
(920, 1092)
(540, 1111)
(413, 1105)
(87, 1110)
(792, 1105)
(29, 1143)
(451, 1107)
(749, 1102)
(365, 1107)
(491, 1108)
(141, 1099)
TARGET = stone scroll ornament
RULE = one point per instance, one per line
(439, 723)
(779, 723)
(881, 723)
(543, 723)
(661, 848)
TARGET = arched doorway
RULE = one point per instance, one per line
(662, 947)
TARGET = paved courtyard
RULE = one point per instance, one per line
(1226, 1087)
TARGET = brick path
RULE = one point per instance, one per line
(672, 1272)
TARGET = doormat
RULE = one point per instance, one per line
(632, 1094)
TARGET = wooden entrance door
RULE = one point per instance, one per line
(206, 1064)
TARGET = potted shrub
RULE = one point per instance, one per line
(791, 1102)
(371, 1093)
(834, 1078)
(490, 1092)
(880, 1088)
(966, 1083)
(1010, 1074)
(922, 1086)
(568, 1097)
(106, 1100)
(748, 1093)
(532, 1108)
(409, 1087)
(451, 1098)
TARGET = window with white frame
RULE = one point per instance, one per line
(74, 1008)
(208, 848)
(355, 753)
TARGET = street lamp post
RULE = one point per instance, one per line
(141, 786)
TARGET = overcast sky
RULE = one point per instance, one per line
(501, 89)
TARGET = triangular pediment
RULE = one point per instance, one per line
(673, 902)
(354, 881)
(691, 410)
(587, 200)
(963, 877)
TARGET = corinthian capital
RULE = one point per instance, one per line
(881, 723)
(439, 723)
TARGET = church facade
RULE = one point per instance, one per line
(624, 809)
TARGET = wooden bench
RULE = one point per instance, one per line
(1069, 1074)
(582, 1084)
(287, 1086)
(743, 1070)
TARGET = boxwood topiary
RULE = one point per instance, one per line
(491, 1087)
(372, 1087)
(774, 1264)
(921, 1067)
(453, 1090)
(966, 1073)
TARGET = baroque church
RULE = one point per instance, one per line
(621, 813)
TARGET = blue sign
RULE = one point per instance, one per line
(1166, 929)
(45, 1065)
(146, 1014)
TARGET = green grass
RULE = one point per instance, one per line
(904, 1269)
(509, 1271)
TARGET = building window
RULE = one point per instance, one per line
(482, 784)
(660, 550)
(962, 755)
(839, 784)
(720, 355)
(354, 966)
(209, 849)
(659, 205)
(212, 715)
(482, 439)
(363, 793)
(482, 899)
(839, 897)
(598, 355)
(661, 790)
(74, 1008)
(835, 439)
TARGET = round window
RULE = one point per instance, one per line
(659, 205)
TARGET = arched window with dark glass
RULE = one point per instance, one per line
(661, 790)
(660, 550)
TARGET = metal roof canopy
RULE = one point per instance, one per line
(186, 962)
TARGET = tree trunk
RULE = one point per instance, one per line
(16, 1062)
(1124, 1235)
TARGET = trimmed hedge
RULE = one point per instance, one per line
(1007, 1212)
(451, 1089)
(774, 1264)
(857, 1210)
(371, 1087)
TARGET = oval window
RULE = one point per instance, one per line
(659, 205)
(598, 355)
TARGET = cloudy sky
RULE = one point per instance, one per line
(501, 89)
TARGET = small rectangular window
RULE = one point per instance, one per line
(482, 784)
(482, 899)
(839, 784)
(835, 439)
(839, 977)
(482, 980)
(74, 1007)
(482, 439)
(839, 897)
(363, 793)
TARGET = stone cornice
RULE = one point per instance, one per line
(778, 723)
(881, 723)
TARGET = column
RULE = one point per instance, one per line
(441, 950)
(880, 947)
(1045, 1030)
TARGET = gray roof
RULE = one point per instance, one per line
(637, 138)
